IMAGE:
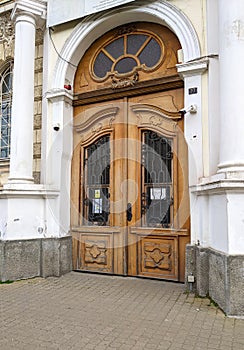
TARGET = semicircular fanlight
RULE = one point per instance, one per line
(126, 55)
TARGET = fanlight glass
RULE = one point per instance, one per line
(126, 55)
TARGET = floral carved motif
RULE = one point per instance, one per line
(6, 37)
(124, 82)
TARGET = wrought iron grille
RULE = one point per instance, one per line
(156, 179)
(97, 181)
(5, 111)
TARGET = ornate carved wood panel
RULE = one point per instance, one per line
(158, 257)
(96, 253)
(144, 201)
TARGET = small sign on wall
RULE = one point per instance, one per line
(61, 11)
(93, 6)
(192, 91)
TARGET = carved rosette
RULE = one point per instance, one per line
(6, 37)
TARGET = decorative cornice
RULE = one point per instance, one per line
(6, 6)
(194, 67)
(36, 8)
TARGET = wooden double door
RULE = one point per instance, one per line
(130, 205)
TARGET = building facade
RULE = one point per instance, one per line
(121, 143)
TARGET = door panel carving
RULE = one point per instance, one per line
(90, 123)
(158, 257)
(96, 253)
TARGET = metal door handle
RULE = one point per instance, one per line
(129, 212)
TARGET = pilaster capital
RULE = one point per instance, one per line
(194, 67)
(60, 95)
(33, 8)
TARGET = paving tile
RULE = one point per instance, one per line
(88, 311)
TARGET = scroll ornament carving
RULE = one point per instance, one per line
(158, 118)
(96, 122)
(6, 37)
(124, 82)
(155, 120)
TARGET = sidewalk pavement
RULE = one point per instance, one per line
(88, 311)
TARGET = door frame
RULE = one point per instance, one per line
(84, 127)
(59, 102)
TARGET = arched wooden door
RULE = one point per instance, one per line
(130, 209)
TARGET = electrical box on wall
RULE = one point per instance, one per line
(190, 279)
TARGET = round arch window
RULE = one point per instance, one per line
(127, 54)
(5, 110)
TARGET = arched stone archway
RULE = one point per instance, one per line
(89, 29)
(59, 153)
